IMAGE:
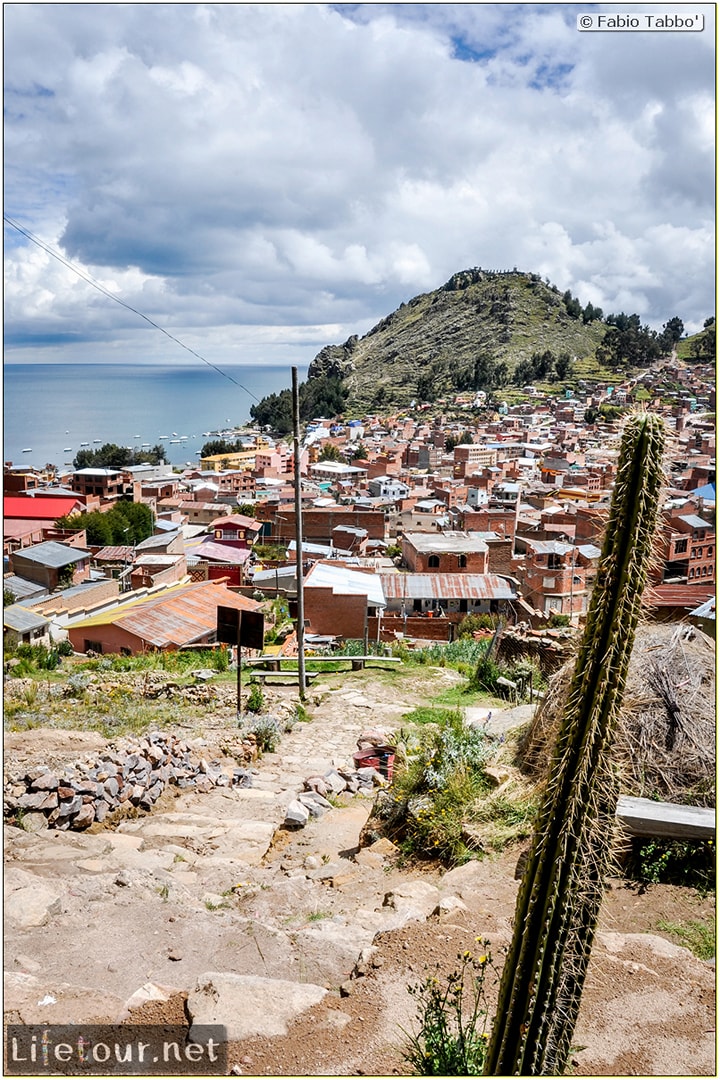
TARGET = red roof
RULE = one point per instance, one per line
(238, 521)
(49, 508)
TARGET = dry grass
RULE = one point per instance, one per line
(666, 740)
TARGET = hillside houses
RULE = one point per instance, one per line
(493, 513)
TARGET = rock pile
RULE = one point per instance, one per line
(313, 801)
(133, 774)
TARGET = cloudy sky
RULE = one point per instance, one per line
(262, 180)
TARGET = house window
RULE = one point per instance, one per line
(554, 562)
(691, 574)
(704, 571)
(680, 546)
(462, 561)
(434, 562)
(709, 551)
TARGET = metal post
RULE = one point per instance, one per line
(298, 537)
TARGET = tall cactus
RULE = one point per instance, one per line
(561, 890)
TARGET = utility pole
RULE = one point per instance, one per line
(298, 537)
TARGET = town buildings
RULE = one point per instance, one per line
(464, 511)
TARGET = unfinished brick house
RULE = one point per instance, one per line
(448, 553)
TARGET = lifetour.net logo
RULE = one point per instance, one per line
(114, 1050)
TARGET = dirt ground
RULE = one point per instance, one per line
(648, 1006)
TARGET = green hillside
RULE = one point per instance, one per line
(471, 334)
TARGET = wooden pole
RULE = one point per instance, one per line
(239, 672)
(298, 537)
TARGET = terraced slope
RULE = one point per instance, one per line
(469, 334)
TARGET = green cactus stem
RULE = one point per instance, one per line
(562, 886)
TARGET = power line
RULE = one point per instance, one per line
(118, 300)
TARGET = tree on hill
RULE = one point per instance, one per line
(627, 343)
(703, 347)
(324, 395)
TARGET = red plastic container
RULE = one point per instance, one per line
(381, 758)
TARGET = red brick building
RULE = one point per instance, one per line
(448, 553)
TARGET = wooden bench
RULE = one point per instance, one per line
(357, 663)
(289, 678)
(645, 817)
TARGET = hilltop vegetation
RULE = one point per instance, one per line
(490, 331)
(471, 334)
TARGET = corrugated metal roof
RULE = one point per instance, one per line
(447, 587)
(160, 541)
(22, 589)
(162, 559)
(683, 596)
(236, 519)
(343, 581)
(706, 610)
(52, 554)
(221, 553)
(22, 620)
(694, 521)
(178, 617)
(546, 547)
(114, 553)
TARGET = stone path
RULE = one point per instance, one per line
(198, 885)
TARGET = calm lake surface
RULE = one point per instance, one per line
(52, 407)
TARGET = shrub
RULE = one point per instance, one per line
(255, 700)
(266, 730)
(221, 659)
(487, 673)
(435, 791)
(65, 648)
(471, 623)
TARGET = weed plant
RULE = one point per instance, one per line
(452, 1015)
(675, 862)
(255, 699)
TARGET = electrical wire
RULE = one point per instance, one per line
(118, 300)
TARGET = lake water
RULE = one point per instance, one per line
(52, 407)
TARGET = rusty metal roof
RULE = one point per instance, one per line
(114, 553)
(447, 587)
(178, 617)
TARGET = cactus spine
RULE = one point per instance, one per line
(561, 890)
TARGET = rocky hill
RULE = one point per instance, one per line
(470, 334)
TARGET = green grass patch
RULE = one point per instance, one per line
(696, 935)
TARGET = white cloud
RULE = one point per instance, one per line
(259, 174)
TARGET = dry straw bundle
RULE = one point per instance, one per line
(666, 741)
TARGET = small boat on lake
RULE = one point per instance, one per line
(27, 450)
